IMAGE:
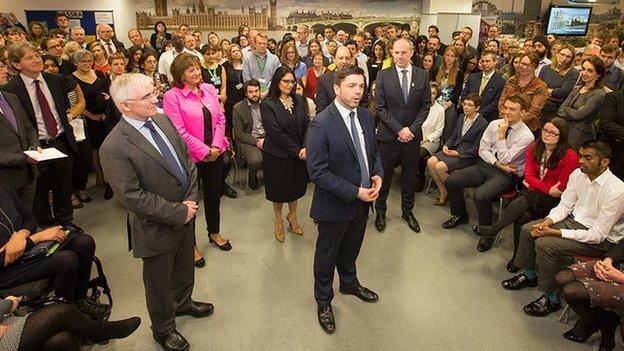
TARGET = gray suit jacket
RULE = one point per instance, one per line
(15, 172)
(242, 122)
(148, 188)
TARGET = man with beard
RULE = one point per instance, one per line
(249, 130)
(542, 49)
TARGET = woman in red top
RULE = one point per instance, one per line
(314, 73)
(549, 162)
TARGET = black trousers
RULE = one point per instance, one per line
(490, 183)
(337, 246)
(169, 280)
(69, 268)
(82, 166)
(211, 175)
(55, 176)
(393, 154)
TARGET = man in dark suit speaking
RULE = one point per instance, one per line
(150, 170)
(344, 165)
(403, 101)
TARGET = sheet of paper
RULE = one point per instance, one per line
(50, 153)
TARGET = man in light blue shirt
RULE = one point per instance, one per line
(260, 64)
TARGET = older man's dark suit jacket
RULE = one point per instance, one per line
(325, 94)
(148, 187)
(15, 172)
(58, 89)
(490, 94)
(394, 113)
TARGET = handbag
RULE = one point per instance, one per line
(78, 125)
(44, 249)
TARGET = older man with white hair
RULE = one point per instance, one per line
(78, 35)
(150, 170)
(106, 36)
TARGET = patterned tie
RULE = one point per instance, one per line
(365, 182)
(166, 153)
(404, 86)
(46, 111)
(8, 112)
(109, 48)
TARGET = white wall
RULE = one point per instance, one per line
(123, 10)
(448, 6)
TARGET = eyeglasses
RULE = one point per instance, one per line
(548, 132)
(289, 81)
(149, 97)
(564, 55)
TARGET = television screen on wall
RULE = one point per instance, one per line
(567, 20)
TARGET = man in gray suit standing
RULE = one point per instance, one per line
(149, 168)
(17, 171)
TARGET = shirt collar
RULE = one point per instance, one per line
(344, 112)
(135, 122)
(29, 81)
(251, 104)
(601, 179)
(489, 76)
(408, 68)
(186, 91)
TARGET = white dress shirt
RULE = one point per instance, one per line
(166, 59)
(597, 204)
(511, 150)
(409, 76)
(545, 61)
(108, 50)
(344, 113)
(32, 93)
(361, 59)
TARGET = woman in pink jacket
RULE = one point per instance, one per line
(193, 107)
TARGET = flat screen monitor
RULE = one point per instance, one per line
(568, 21)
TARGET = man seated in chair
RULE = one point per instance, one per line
(587, 222)
(502, 151)
(248, 130)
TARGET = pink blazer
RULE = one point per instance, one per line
(184, 108)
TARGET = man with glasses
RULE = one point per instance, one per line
(466, 35)
(149, 168)
(587, 222)
(488, 84)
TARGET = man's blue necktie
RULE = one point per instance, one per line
(167, 153)
(366, 182)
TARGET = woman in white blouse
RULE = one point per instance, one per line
(432, 132)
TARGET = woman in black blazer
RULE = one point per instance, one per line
(160, 36)
(461, 150)
(285, 122)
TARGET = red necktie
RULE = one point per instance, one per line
(48, 117)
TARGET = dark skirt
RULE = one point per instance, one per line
(285, 179)
(455, 163)
(96, 131)
(608, 295)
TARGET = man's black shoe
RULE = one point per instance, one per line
(380, 222)
(326, 319)
(518, 282)
(362, 293)
(485, 244)
(454, 222)
(253, 183)
(541, 307)
(172, 341)
(197, 310)
(411, 222)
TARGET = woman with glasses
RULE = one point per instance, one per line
(532, 89)
(193, 107)
(560, 77)
(95, 87)
(581, 106)
(549, 163)
(284, 158)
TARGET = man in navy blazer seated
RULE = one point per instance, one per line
(403, 101)
(345, 166)
(488, 84)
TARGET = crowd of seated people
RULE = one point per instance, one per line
(536, 118)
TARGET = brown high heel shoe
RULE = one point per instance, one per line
(295, 230)
(279, 234)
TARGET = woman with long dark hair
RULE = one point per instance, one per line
(160, 36)
(134, 56)
(549, 163)
(284, 158)
(376, 62)
(580, 108)
(421, 46)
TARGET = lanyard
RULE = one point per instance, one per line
(213, 72)
(261, 68)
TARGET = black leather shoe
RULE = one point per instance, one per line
(411, 222)
(573, 337)
(541, 307)
(326, 319)
(454, 222)
(173, 341)
(362, 293)
(518, 282)
(229, 192)
(380, 222)
(485, 244)
(197, 310)
(511, 267)
(200, 263)
(73, 229)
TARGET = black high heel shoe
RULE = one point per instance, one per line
(224, 247)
